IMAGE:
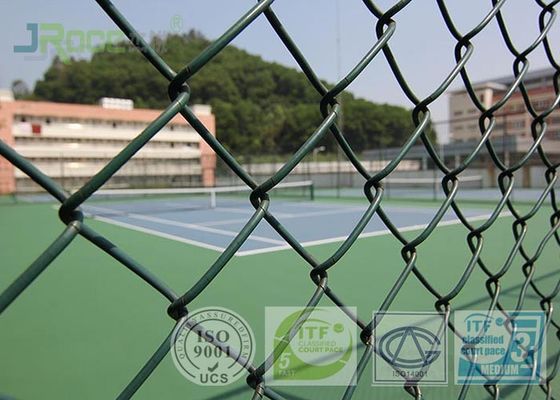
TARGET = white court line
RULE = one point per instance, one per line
(247, 211)
(287, 216)
(316, 214)
(235, 210)
(163, 221)
(286, 246)
(403, 209)
(364, 235)
(181, 206)
(158, 233)
(311, 205)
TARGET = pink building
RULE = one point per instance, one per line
(71, 142)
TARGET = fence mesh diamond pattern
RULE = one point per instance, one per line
(385, 27)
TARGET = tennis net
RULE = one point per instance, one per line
(161, 200)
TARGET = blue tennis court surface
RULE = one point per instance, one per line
(312, 223)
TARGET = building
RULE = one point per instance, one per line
(71, 142)
(511, 137)
(513, 118)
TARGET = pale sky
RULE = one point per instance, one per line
(422, 44)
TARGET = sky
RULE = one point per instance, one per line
(421, 43)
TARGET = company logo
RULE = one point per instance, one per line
(66, 43)
(496, 348)
(213, 346)
(410, 347)
(322, 351)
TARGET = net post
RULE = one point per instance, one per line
(435, 184)
(312, 191)
(212, 199)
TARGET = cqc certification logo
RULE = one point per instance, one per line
(322, 351)
(213, 346)
(494, 347)
(410, 347)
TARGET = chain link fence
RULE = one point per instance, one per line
(373, 182)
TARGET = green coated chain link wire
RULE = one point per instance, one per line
(179, 93)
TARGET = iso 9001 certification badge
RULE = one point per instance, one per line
(212, 346)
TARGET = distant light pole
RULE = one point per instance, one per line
(340, 120)
(316, 151)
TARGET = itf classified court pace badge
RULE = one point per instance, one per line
(323, 351)
(213, 346)
(508, 347)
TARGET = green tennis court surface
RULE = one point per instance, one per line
(86, 325)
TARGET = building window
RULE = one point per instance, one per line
(542, 104)
(517, 124)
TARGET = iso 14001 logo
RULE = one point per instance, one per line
(212, 346)
(425, 345)
(410, 348)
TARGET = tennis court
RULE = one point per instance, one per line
(312, 223)
(116, 330)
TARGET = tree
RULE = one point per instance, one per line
(260, 107)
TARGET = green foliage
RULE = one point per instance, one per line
(259, 106)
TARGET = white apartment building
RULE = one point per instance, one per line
(71, 142)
